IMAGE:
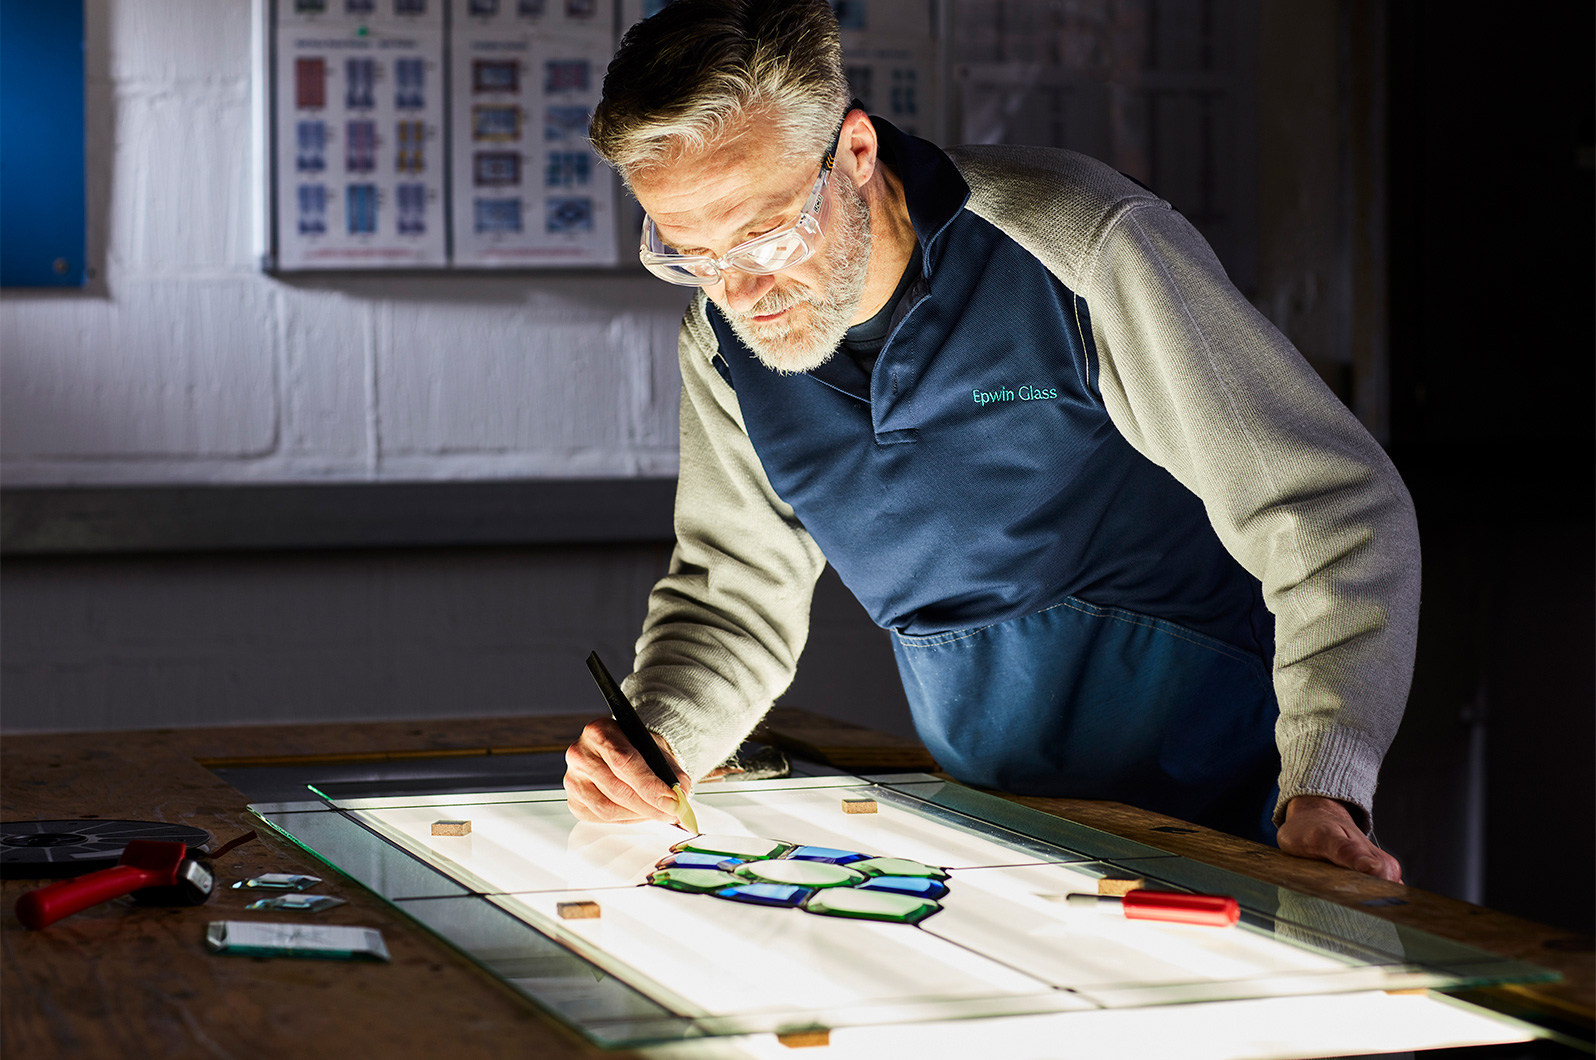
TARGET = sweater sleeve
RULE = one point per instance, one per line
(1298, 492)
(726, 624)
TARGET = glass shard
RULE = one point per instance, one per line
(828, 854)
(897, 867)
(736, 846)
(782, 894)
(298, 903)
(689, 860)
(801, 873)
(860, 904)
(693, 881)
(278, 881)
(916, 886)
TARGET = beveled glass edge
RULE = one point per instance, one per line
(312, 806)
(886, 1014)
(393, 802)
(475, 798)
(426, 869)
(1276, 984)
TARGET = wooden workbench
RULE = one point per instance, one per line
(122, 980)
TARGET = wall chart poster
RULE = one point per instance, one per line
(890, 56)
(359, 127)
(527, 188)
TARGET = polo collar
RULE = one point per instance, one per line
(933, 189)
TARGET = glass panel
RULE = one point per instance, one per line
(695, 955)
(1319, 924)
(1027, 828)
(338, 841)
(1003, 942)
(547, 972)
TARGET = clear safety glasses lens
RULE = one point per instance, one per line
(766, 254)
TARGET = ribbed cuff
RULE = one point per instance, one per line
(700, 737)
(1333, 763)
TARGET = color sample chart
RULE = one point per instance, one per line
(527, 188)
(359, 132)
(440, 133)
(772, 921)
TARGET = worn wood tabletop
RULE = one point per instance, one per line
(127, 981)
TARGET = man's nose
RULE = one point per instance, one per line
(744, 289)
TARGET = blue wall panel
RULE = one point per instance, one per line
(41, 144)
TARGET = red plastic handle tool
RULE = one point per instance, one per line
(144, 863)
(1212, 910)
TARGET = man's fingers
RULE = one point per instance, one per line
(1358, 854)
(587, 803)
(626, 764)
(608, 780)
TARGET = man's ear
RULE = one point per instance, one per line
(856, 148)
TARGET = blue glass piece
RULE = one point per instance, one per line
(827, 854)
(782, 894)
(917, 886)
(689, 859)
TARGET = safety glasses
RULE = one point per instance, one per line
(762, 255)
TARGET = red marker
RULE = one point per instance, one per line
(1210, 910)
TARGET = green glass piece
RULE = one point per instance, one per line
(800, 873)
(737, 846)
(694, 881)
(897, 867)
(871, 905)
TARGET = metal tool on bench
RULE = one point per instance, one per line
(154, 871)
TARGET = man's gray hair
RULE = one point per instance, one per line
(697, 70)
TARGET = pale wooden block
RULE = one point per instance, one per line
(858, 805)
(578, 910)
(805, 1039)
(1120, 887)
(451, 827)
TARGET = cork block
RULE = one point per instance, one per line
(1121, 886)
(804, 1039)
(578, 910)
(858, 805)
(451, 827)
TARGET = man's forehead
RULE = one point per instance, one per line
(731, 185)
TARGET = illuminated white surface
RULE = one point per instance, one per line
(1259, 1029)
(538, 845)
(718, 957)
(1000, 912)
(999, 945)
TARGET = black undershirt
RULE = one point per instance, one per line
(863, 342)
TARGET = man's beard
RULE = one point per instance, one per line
(789, 346)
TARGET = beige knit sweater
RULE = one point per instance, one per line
(1193, 377)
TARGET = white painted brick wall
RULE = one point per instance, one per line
(183, 363)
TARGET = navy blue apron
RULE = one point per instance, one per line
(1065, 620)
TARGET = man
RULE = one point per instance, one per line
(1128, 544)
